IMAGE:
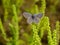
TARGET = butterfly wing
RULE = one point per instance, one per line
(37, 17)
(36, 20)
(29, 20)
(27, 15)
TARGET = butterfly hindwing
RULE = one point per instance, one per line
(29, 20)
(36, 20)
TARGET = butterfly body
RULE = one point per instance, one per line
(32, 18)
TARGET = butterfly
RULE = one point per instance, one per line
(32, 18)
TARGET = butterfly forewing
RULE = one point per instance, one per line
(27, 15)
(38, 15)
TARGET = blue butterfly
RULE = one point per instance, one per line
(32, 18)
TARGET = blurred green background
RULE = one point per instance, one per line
(52, 11)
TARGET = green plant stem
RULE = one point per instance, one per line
(43, 6)
(3, 31)
(36, 39)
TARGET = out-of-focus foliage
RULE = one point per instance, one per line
(14, 29)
